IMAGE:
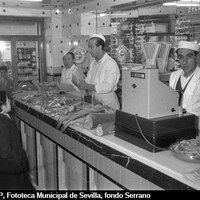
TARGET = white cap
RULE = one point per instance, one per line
(188, 45)
(98, 36)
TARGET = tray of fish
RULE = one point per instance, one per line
(187, 150)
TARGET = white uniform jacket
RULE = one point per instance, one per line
(104, 74)
(66, 77)
(191, 96)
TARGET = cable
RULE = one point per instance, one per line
(145, 137)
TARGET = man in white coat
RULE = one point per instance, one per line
(70, 69)
(103, 75)
(186, 80)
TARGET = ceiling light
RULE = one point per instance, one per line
(182, 3)
(102, 14)
(75, 43)
(191, 1)
(33, 0)
(57, 11)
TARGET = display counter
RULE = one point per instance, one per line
(80, 160)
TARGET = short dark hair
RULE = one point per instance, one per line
(3, 67)
(71, 53)
(3, 97)
(99, 42)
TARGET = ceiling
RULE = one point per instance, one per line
(63, 4)
(45, 4)
(136, 4)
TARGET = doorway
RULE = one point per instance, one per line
(22, 48)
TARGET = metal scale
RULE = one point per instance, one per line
(150, 114)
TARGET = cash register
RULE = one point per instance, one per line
(150, 116)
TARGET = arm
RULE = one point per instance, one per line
(82, 85)
(107, 78)
(108, 82)
(65, 87)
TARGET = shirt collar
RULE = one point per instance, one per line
(182, 73)
(103, 58)
(71, 68)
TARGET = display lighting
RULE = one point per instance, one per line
(183, 3)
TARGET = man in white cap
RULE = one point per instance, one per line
(186, 80)
(103, 75)
(70, 69)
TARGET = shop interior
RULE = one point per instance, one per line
(34, 37)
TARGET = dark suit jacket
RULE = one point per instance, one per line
(13, 161)
(7, 86)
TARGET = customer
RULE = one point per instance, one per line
(70, 69)
(6, 83)
(103, 75)
(14, 173)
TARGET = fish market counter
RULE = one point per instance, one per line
(76, 159)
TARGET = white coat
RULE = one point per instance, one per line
(191, 96)
(66, 76)
(104, 74)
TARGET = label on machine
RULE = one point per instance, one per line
(138, 75)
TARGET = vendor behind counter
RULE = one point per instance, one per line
(186, 80)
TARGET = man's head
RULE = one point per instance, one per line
(96, 45)
(3, 71)
(68, 59)
(187, 54)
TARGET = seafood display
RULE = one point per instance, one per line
(65, 108)
(187, 150)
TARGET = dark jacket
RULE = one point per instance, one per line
(14, 173)
(7, 85)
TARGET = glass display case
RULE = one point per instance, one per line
(27, 60)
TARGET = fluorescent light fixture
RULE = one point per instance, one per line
(102, 14)
(182, 3)
(33, 0)
(190, 1)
